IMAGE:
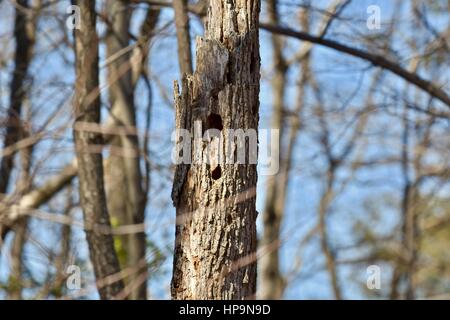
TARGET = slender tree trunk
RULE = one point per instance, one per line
(330, 261)
(405, 267)
(15, 281)
(24, 33)
(126, 199)
(21, 227)
(139, 56)
(272, 281)
(406, 208)
(56, 286)
(410, 228)
(183, 37)
(90, 166)
(327, 195)
(215, 246)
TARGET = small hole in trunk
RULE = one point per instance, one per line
(216, 173)
(214, 121)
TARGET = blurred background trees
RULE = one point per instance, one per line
(364, 148)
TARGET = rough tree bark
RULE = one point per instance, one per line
(90, 166)
(215, 246)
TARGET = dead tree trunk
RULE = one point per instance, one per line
(90, 166)
(215, 242)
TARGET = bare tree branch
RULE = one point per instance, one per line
(375, 59)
